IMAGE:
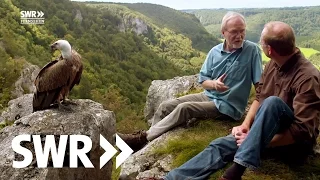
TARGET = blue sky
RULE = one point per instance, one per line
(207, 4)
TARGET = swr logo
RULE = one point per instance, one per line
(58, 154)
(31, 14)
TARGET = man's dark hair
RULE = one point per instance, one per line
(282, 41)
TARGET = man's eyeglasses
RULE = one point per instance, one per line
(236, 32)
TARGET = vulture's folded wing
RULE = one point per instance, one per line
(52, 76)
(77, 62)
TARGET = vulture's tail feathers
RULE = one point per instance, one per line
(43, 100)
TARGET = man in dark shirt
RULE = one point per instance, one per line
(286, 112)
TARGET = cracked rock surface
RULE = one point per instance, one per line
(85, 118)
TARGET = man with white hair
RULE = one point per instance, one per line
(284, 117)
(227, 75)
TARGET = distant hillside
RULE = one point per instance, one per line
(167, 43)
(118, 66)
(304, 20)
(179, 22)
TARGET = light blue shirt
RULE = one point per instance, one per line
(243, 68)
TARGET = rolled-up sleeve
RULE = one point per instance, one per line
(306, 105)
(206, 72)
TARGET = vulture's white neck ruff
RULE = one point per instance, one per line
(66, 51)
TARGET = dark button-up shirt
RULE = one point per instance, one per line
(297, 83)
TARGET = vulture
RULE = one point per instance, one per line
(57, 78)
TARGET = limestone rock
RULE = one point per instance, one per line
(17, 108)
(78, 16)
(25, 83)
(162, 90)
(86, 118)
(146, 163)
(135, 24)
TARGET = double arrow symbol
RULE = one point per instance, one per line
(126, 151)
(40, 14)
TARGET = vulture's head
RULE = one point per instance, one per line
(63, 46)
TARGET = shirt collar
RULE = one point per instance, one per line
(290, 62)
(223, 44)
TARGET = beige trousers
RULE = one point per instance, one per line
(177, 111)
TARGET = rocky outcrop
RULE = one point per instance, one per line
(135, 24)
(18, 108)
(25, 83)
(78, 16)
(140, 26)
(162, 90)
(86, 117)
(146, 163)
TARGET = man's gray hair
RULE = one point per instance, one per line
(228, 16)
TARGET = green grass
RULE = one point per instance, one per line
(195, 139)
(115, 172)
(306, 51)
(191, 91)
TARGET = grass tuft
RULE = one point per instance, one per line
(6, 123)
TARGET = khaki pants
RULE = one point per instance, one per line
(175, 112)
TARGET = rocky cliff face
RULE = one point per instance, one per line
(137, 25)
(22, 105)
(86, 118)
(25, 83)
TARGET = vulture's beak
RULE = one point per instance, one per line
(53, 47)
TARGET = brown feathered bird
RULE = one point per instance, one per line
(57, 78)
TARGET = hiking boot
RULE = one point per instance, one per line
(136, 140)
(223, 178)
(126, 177)
(151, 178)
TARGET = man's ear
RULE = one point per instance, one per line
(269, 50)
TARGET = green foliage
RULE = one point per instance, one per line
(110, 57)
(177, 47)
(304, 20)
(6, 123)
(180, 22)
(115, 171)
(191, 91)
(9, 73)
(127, 115)
(315, 60)
(307, 52)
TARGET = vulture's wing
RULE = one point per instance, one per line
(77, 78)
(45, 67)
(77, 62)
(52, 76)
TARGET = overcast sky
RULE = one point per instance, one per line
(208, 4)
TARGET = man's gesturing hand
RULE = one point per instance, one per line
(219, 85)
